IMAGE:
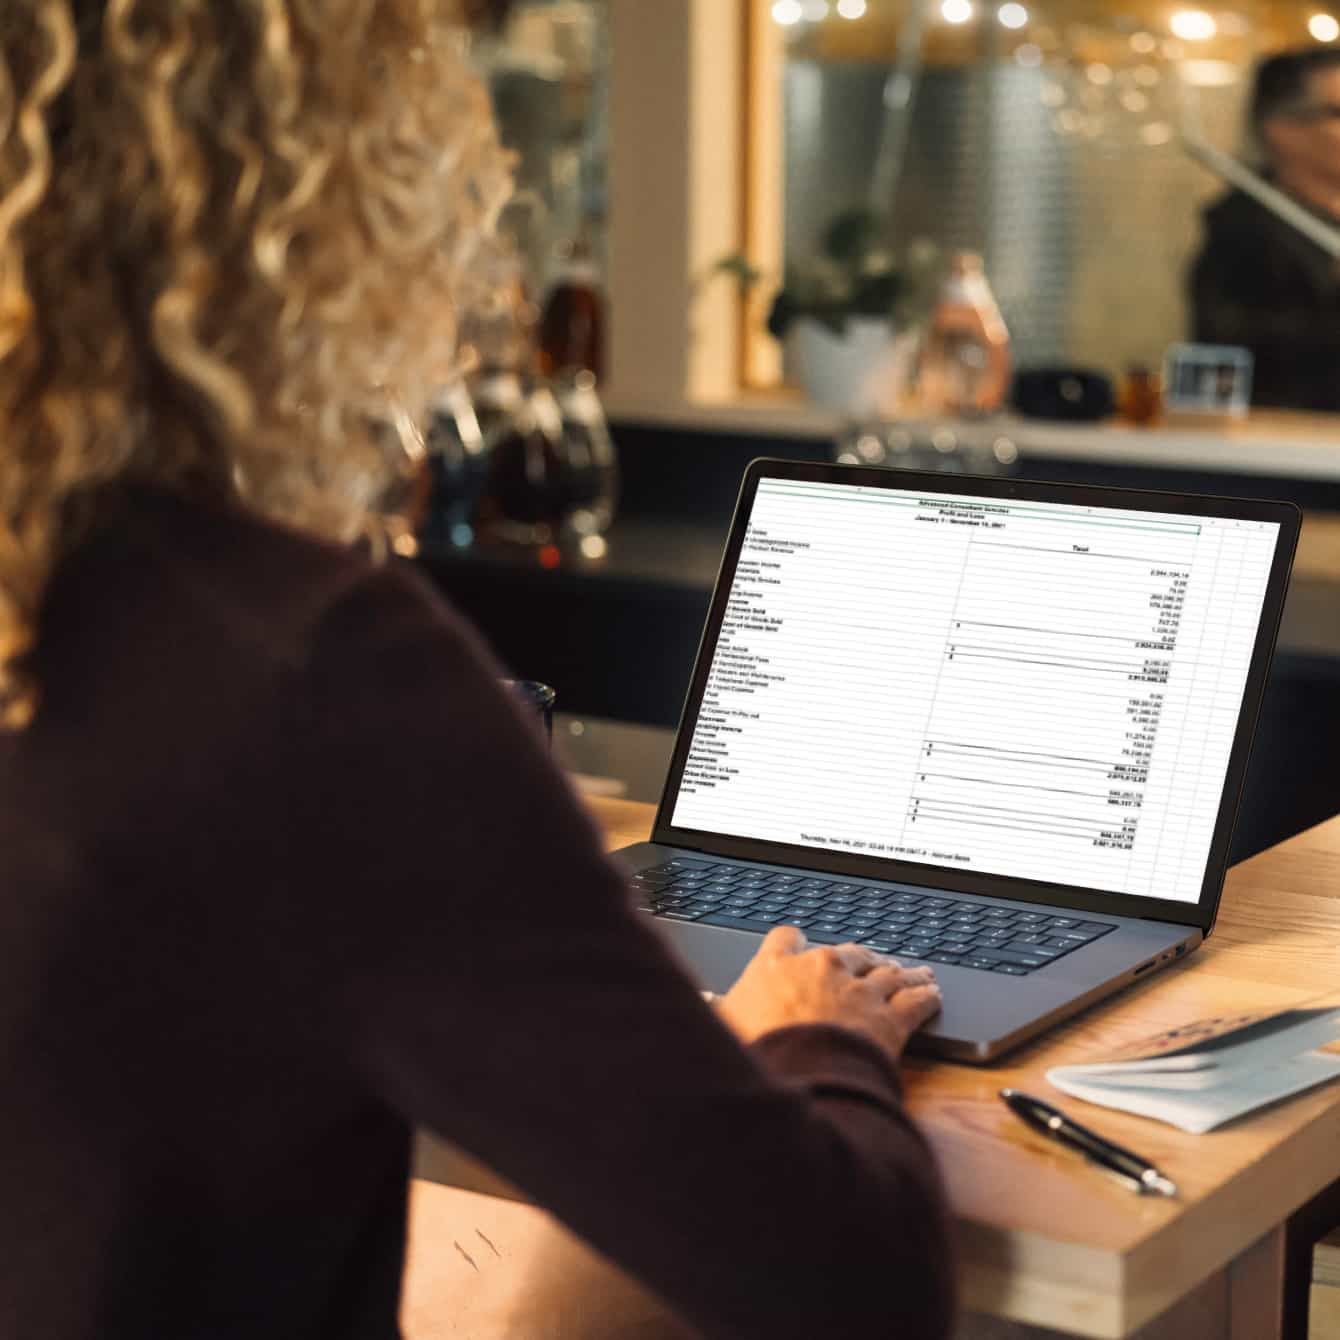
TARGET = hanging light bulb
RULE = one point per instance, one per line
(1193, 25)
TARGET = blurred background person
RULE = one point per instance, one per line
(1260, 283)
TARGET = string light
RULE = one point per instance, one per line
(1324, 27)
(851, 9)
(956, 11)
(787, 12)
(1193, 25)
(1013, 15)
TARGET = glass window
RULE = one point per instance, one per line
(1047, 135)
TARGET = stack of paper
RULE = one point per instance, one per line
(1209, 1072)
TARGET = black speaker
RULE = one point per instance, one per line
(1069, 395)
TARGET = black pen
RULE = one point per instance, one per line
(1138, 1173)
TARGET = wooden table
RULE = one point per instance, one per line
(1046, 1241)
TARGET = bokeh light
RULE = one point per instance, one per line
(1324, 27)
(1193, 25)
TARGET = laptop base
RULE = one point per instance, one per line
(985, 1014)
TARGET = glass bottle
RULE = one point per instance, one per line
(965, 361)
(572, 322)
(552, 473)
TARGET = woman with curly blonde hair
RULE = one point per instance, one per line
(283, 871)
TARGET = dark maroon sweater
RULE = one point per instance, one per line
(284, 873)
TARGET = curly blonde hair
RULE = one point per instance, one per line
(231, 232)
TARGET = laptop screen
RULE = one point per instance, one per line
(1037, 690)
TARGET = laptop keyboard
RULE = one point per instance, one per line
(935, 927)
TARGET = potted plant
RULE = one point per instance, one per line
(850, 316)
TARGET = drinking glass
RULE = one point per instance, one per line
(538, 698)
(457, 461)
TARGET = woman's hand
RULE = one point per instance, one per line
(788, 983)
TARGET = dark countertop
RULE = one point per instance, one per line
(652, 558)
(671, 555)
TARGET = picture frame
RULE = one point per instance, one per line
(1207, 382)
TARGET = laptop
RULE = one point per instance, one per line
(996, 726)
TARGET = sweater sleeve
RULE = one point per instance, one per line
(484, 958)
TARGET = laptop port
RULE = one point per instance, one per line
(1144, 967)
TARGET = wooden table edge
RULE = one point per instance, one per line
(1098, 1292)
(1216, 1229)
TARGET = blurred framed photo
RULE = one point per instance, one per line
(1208, 381)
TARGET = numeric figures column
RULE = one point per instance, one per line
(1231, 624)
(1048, 711)
(1183, 717)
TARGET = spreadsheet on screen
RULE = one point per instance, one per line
(1040, 690)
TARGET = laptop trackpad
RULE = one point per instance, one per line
(714, 956)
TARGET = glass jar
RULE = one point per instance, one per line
(1141, 396)
(526, 498)
(552, 471)
(965, 360)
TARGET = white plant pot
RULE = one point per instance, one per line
(860, 373)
